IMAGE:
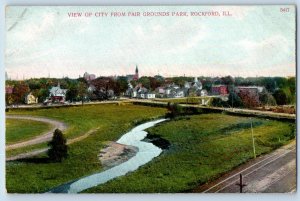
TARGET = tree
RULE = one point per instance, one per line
(227, 80)
(280, 97)
(122, 84)
(145, 81)
(19, 92)
(72, 93)
(267, 99)
(58, 148)
(234, 100)
(82, 91)
(174, 110)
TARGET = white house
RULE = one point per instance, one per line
(58, 94)
(31, 99)
(150, 95)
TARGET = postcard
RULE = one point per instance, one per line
(150, 99)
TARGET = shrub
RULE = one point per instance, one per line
(280, 97)
(174, 110)
(58, 148)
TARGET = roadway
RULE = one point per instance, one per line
(270, 173)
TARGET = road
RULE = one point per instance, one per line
(271, 173)
(44, 137)
(44, 150)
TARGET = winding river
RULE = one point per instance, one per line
(147, 151)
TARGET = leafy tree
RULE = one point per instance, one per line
(122, 84)
(42, 94)
(218, 102)
(269, 83)
(207, 84)
(72, 93)
(234, 100)
(154, 83)
(280, 97)
(174, 109)
(58, 148)
(82, 91)
(19, 92)
(145, 81)
(227, 80)
(267, 99)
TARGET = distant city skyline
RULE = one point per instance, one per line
(45, 40)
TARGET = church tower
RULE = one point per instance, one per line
(136, 75)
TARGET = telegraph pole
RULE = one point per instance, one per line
(253, 142)
(241, 185)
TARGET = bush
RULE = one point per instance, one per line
(218, 102)
(58, 148)
(174, 110)
(280, 97)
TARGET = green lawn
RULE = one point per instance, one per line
(186, 100)
(20, 130)
(203, 147)
(38, 175)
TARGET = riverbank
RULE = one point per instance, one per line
(114, 154)
(146, 152)
(202, 148)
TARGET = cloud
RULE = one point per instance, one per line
(172, 38)
(266, 51)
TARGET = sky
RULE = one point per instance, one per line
(252, 41)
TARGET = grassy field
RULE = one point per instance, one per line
(186, 100)
(19, 130)
(203, 147)
(39, 175)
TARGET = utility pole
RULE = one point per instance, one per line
(253, 142)
(240, 184)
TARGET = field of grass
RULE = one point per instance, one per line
(39, 175)
(19, 130)
(186, 100)
(203, 147)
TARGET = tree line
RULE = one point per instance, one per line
(282, 89)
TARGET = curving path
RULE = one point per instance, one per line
(44, 150)
(44, 137)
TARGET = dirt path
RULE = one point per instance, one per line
(44, 137)
(40, 151)
(274, 172)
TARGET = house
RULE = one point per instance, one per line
(141, 91)
(203, 92)
(219, 90)
(150, 95)
(147, 95)
(197, 84)
(89, 77)
(30, 99)
(179, 93)
(193, 88)
(91, 88)
(57, 94)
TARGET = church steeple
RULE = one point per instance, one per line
(136, 70)
(136, 75)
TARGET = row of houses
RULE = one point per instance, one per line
(190, 89)
(167, 91)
